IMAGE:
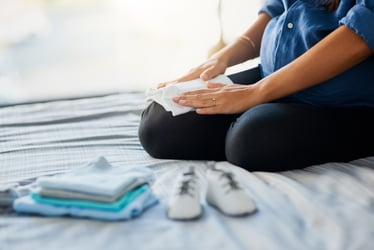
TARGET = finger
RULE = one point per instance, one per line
(191, 75)
(164, 84)
(185, 96)
(209, 110)
(188, 77)
(210, 73)
(198, 101)
(212, 85)
(198, 92)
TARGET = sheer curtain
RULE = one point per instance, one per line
(78, 48)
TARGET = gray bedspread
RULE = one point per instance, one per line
(329, 206)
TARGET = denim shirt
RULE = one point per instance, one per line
(297, 25)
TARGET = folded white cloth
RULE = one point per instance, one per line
(225, 193)
(164, 96)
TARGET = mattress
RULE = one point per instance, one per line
(329, 206)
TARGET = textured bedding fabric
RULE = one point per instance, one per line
(329, 206)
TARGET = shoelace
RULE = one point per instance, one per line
(186, 186)
(232, 183)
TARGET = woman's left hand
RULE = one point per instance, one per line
(220, 98)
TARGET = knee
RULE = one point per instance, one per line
(151, 130)
(250, 140)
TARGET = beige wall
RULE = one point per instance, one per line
(237, 15)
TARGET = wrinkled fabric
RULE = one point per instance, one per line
(297, 25)
(164, 96)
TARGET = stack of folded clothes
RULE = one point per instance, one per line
(98, 191)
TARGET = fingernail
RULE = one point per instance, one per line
(199, 111)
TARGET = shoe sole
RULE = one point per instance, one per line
(187, 219)
(233, 215)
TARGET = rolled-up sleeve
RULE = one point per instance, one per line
(272, 7)
(360, 18)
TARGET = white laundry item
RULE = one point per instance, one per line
(164, 96)
(184, 201)
(225, 193)
(98, 178)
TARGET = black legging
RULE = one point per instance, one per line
(274, 136)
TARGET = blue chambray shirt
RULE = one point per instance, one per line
(297, 25)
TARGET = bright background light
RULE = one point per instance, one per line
(68, 48)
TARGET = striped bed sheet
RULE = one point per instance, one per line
(329, 206)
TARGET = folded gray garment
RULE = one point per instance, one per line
(71, 195)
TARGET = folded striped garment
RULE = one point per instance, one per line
(140, 202)
(99, 178)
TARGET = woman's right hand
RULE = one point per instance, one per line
(205, 71)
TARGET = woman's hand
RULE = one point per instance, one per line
(220, 98)
(205, 71)
(234, 53)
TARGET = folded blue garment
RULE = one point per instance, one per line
(107, 206)
(143, 201)
(98, 178)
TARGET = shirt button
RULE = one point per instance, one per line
(290, 25)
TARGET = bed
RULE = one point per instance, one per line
(329, 206)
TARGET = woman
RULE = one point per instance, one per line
(311, 100)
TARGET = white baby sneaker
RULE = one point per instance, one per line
(184, 201)
(225, 193)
